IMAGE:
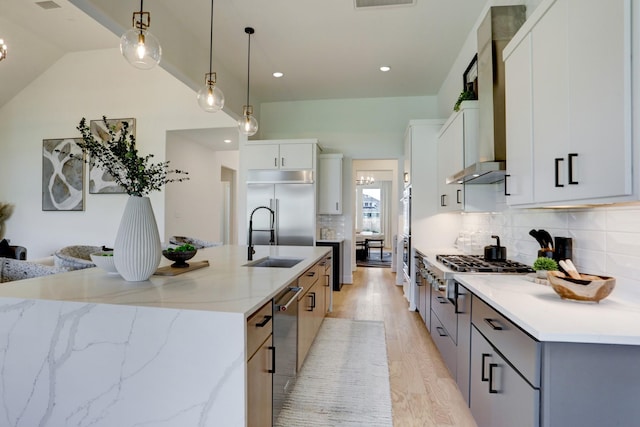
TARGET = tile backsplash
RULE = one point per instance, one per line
(333, 226)
(606, 240)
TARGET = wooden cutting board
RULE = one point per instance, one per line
(171, 271)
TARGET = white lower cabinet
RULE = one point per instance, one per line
(500, 397)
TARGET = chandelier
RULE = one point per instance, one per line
(365, 180)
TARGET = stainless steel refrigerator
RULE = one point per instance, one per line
(293, 200)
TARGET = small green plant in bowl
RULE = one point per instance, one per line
(542, 265)
(180, 255)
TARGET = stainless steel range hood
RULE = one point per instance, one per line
(486, 163)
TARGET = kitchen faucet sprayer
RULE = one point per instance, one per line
(272, 239)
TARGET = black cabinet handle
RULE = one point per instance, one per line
(571, 157)
(283, 162)
(442, 300)
(557, 171)
(337, 206)
(491, 367)
(458, 194)
(273, 360)
(506, 193)
(441, 331)
(442, 200)
(483, 377)
(312, 295)
(264, 322)
(311, 274)
(275, 161)
(494, 324)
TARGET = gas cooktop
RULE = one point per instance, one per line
(477, 263)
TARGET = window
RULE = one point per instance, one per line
(371, 210)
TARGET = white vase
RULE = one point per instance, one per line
(137, 251)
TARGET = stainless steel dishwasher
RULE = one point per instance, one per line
(285, 341)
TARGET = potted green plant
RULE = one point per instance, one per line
(544, 264)
(137, 251)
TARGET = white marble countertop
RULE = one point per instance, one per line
(539, 311)
(225, 286)
(330, 240)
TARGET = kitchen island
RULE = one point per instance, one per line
(88, 348)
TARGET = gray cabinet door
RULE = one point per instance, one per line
(500, 396)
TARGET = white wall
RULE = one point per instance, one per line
(86, 84)
(194, 208)
(370, 128)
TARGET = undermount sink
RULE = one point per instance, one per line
(274, 262)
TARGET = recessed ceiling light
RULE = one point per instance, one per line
(385, 68)
(227, 141)
(278, 74)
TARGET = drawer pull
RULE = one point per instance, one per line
(311, 274)
(571, 157)
(273, 360)
(441, 299)
(491, 389)
(264, 322)
(483, 376)
(557, 171)
(441, 331)
(312, 295)
(494, 324)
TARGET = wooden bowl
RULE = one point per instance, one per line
(593, 288)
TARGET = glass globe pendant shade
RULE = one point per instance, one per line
(248, 125)
(140, 48)
(210, 97)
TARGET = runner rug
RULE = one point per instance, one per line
(344, 380)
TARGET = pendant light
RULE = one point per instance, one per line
(139, 47)
(3, 50)
(210, 98)
(248, 124)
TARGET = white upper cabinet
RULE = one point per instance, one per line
(568, 95)
(330, 184)
(459, 131)
(280, 155)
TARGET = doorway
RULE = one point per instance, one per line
(375, 211)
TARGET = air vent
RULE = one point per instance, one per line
(361, 4)
(48, 4)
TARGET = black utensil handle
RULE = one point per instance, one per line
(571, 157)
(557, 171)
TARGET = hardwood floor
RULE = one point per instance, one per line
(422, 391)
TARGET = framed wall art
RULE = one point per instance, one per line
(62, 175)
(101, 182)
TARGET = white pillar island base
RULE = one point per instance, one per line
(87, 348)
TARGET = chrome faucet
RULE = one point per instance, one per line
(272, 238)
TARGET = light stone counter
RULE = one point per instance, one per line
(87, 348)
(539, 311)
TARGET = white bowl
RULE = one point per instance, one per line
(104, 260)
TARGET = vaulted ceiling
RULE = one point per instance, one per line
(325, 48)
